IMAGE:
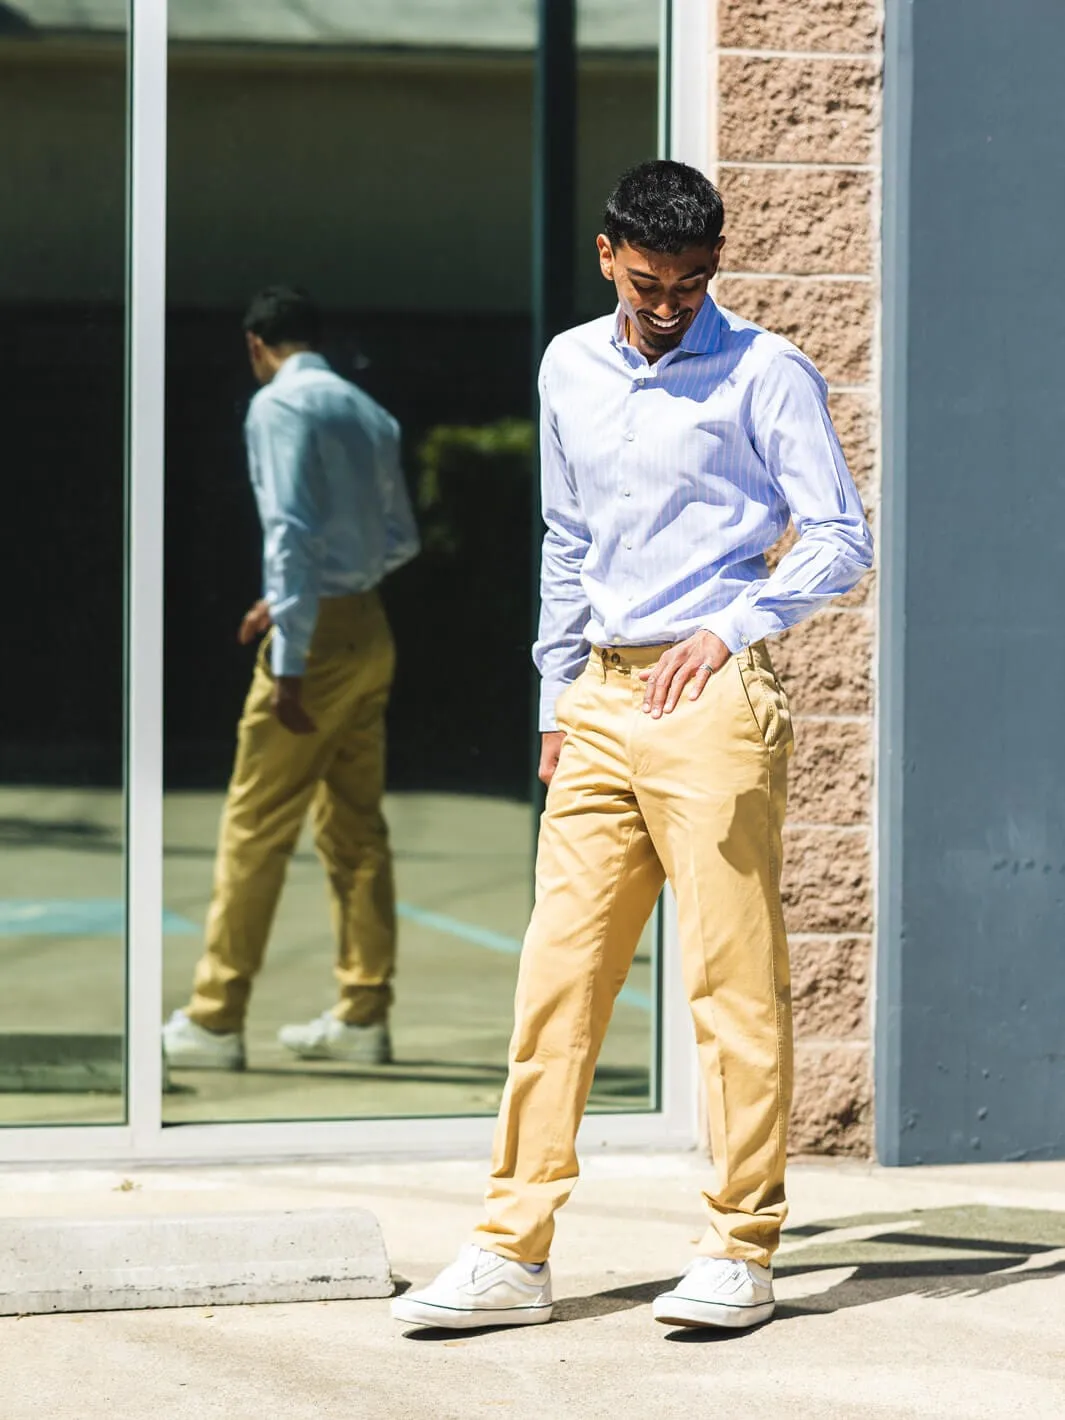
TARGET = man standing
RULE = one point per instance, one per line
(325, 467)
(677, 441)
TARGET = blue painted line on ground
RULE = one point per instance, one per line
(495, 942)
(77, 917)
(106, 917)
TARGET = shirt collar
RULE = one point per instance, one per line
(701, 338)
(302, 360)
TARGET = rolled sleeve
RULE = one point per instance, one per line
(793, 435)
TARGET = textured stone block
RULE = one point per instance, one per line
(830, 986)
(831, 321)
(831, 776)
(856, 422)
(826, 664)
(827, 880)
(839, 26)
(832, 1111)
(798, 220)
(797, 110)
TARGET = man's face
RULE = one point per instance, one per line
(660, 295)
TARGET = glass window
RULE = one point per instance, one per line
(383, 162)
(62, 297)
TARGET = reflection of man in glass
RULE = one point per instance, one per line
(677, 441)
(325, 466)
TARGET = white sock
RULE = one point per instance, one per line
(533, 1266)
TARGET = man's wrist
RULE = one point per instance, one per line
(731, 636)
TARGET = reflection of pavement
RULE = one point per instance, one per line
(463, 869)
(903, 1293)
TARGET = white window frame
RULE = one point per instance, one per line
(144, 1138)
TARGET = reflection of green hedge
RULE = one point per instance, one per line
(475, 488)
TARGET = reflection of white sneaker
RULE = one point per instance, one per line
(187, 1046)
(480, 1289)
(329, 1039)
(718, 1291)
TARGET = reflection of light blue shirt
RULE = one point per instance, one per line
(664, 486)
(324, 463)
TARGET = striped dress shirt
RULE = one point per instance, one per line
(664, 485)
(324, 460)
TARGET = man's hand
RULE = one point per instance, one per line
(550, 748)
(287, 702)
(255, 623)
(690, 661)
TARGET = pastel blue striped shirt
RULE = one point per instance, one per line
(324, 460)
(664, 485)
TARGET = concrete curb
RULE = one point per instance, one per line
(112, 1264)
(61, 1062)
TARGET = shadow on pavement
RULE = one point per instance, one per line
(939, 1253)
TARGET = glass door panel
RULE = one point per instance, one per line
(62, 397)
(385, 166)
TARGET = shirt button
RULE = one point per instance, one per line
(629, 435)
(628, 543)
(626, 492)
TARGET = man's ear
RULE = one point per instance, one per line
(606, 257)
(715, 260)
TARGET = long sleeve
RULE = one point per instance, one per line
(402, 542)
(290, 493)
(560, 648)
(793, 436)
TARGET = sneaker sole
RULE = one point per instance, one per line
(451, 1319)
(685, 1311)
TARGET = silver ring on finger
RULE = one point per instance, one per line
(707, 668)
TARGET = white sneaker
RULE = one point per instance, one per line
(718, 1291)
(329, 1039)
(480, 1289)
(187, 1046)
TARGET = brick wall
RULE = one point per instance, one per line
(795, 140)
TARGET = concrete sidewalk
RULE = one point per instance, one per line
(918, 1292)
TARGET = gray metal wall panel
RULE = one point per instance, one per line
(971, 1015)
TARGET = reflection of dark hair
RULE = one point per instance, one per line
(284, 315)
(665, 207)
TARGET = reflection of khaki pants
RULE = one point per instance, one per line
(276, 778)
(697, 797)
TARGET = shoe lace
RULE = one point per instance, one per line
(472, 1261)
(720, 1269)
(318, 1030)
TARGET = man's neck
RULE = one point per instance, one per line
(279, 356)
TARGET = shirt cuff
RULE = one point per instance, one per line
(285, 658)
(550, 690)
(739, 625)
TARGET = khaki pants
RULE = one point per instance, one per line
(697, 797)
(277, 777)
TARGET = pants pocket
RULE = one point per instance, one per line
(766, 699)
